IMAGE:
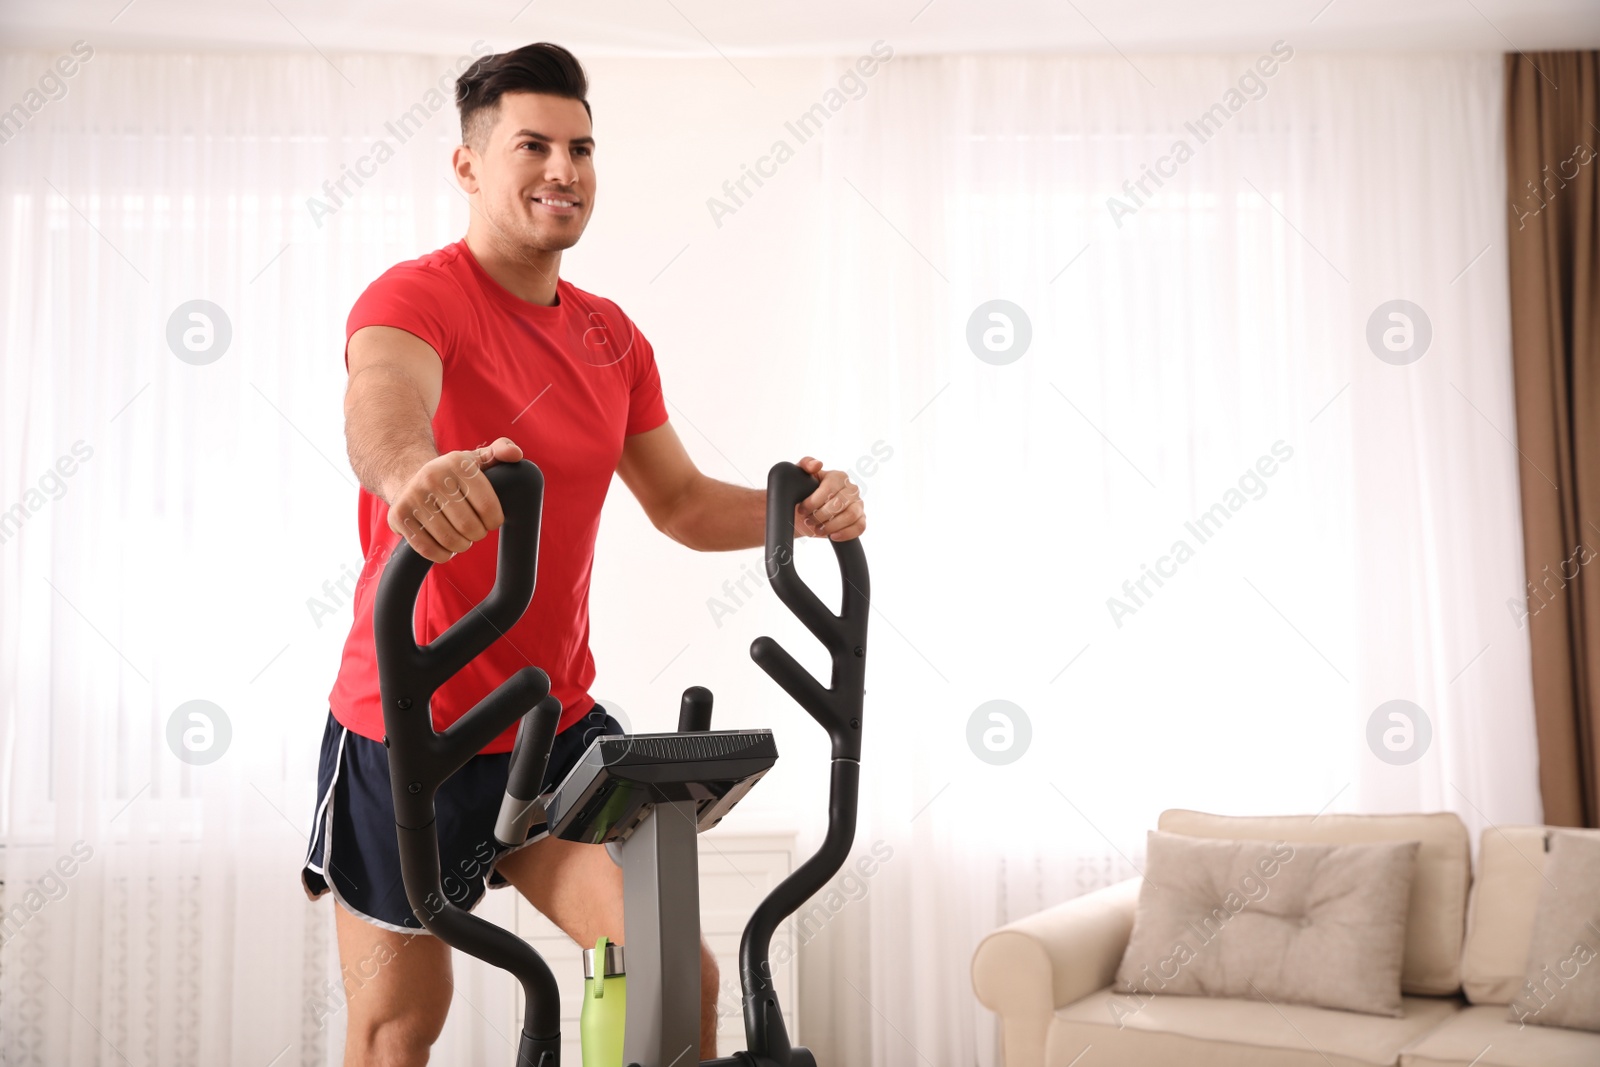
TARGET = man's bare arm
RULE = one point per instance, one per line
(388, 407)
(437, 503)
(711, 516)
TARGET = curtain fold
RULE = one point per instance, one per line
(1552, 104)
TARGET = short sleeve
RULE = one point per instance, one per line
(412, 297)
(647, 408)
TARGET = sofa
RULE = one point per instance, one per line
(1049, 976)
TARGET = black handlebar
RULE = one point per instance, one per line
(838, 709)
(530, 757)
(520, 489)
(420, 758)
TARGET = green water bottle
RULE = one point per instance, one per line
(605, 1005)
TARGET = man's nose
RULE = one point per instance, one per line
(560, 169)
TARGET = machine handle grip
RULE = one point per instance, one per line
(838, 706)
(788, 485)
(530, 756)
(520, 489)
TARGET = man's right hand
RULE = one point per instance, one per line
(447, 504)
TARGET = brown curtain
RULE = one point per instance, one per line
(1552, 140)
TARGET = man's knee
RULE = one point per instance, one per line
(397, 993)
(397, 1042)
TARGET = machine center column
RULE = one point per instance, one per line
(661, 902)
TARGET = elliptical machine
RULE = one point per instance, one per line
(644, 796)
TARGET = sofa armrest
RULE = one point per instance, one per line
(1025, 970)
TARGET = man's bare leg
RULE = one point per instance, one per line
(397, 990)
(578, 888)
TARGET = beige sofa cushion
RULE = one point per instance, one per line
(1290, 922)
(1204, 1032)
(1563, 985)
(1481, 1037)
(1505, 895)
(1436, 919)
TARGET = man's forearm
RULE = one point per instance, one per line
(387, 430)
(714, 516)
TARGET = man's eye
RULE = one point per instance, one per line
(585, 151)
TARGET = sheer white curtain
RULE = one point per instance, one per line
(1212, 323)
(1008, 502)
(180, 559)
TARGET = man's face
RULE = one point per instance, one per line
(535, 171)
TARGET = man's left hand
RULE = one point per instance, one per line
(834, 510)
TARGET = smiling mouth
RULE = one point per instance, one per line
(555, 202)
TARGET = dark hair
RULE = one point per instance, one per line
(534, 68)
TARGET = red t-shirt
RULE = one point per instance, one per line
(566, 383)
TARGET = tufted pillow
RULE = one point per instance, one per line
(1297, 923)
(1438, 914)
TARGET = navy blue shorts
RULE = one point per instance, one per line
(354, 851)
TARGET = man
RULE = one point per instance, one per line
(476, 354)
